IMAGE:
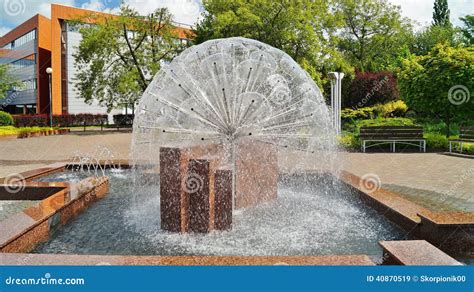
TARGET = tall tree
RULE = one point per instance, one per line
(119, 55)
(441, 13)
(304, 29)
(373, 33)
(468, 28)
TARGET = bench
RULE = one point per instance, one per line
(378, 135)
(466, 135)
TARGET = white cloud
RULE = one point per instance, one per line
(97, 5)
(421, 11)
(184, 11)
(4, 30)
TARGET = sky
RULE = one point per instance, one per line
(14, 12)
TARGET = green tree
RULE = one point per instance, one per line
(439, 84)
(468, 28)
(425, 40)
(441, 13)
(7, 82)
(373, 33)
(304, 29)
(119, 55)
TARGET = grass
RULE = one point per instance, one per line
(11, 130)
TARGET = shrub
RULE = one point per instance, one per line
(436, 141)
(438, 84)
(391, 109)
(73, 120)
(386, 122)
(41, 120)
(5, 119)
(123, 120)
(359, 113)
(349, 141)
(368, 88)
(66, 120)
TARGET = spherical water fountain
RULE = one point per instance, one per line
(246, 109)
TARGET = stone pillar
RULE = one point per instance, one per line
(196, 191)
(257, 173)
(200, 190)
(173, 201)
(223, 199)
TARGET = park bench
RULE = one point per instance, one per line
(378, 135)
(466, 135)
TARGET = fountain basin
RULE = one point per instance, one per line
(34, 210)
(307, 219)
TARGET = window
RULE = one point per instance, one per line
(30, 84)
(25, 62)
(29, 36)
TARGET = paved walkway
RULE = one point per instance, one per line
(445, 182)
(17, 155)
(422, 175)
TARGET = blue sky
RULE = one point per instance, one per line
(14, 12)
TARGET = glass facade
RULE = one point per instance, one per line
(28, 37)
(21, 57)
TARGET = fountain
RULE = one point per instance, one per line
(217, 125)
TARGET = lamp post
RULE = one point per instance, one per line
(336, 93)
(49, 71)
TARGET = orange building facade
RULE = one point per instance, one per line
(37, 44)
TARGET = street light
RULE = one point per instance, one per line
(49, 71)
(336, 93)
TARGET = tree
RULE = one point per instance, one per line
(441, 13)
(425, 40)
(373, 33)
(439, 84)
(304, 29)
(119, 55)
(468, 28)
(7, 83)
(369, 88)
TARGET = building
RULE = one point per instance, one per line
(27, 50)
(37, 44)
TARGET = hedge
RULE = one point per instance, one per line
(123, 120)
(67, 120)
(5, 119)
